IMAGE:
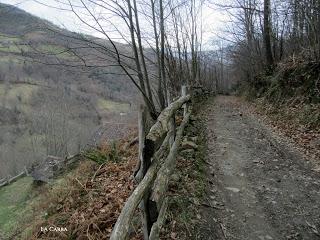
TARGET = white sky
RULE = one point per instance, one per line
(213, 20)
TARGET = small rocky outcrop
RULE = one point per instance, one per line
(48, 169)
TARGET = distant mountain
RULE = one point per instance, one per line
(53, 104)
(15, 21)
(25, 36)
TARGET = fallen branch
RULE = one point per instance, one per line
(13, 179)
(223, 229)
(96, 172)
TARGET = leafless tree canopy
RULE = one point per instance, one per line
(156, 44)
(264, 33)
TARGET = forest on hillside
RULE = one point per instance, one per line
(266, 49)
(50, 107)
(76, 76)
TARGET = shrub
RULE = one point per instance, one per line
(100, 156)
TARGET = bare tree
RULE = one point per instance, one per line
(267, 33)
(131, 13)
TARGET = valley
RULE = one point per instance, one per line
(49, 107)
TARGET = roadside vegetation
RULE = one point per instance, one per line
(88, 200)
(290, 98)
(85, 199)
(64, 93)
(188, 185)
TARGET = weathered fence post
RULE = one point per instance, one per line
(26, 171)
(144, 163)
(9, 179)
(153, 150)
(171, 126)
(155, 230)
(183, 94)
(142, 167)
(141, 137)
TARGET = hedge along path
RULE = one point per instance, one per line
(151, 161)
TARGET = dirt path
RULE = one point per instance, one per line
(260, 188)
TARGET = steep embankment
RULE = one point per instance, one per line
(289, 100)
(85, 200)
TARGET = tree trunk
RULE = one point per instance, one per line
(267, 35)
(146, 76)
(156, 36)
(162, 54)
(149, 104)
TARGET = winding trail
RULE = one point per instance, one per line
(260, 187)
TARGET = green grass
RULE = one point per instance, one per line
(50, 48)
(13, 48)
(112, 106)
(14, 207)
(5, 58)
(56, 50)
(10, 44)
(44, 48)
(5, 37)
(19, 200)
(15, 91)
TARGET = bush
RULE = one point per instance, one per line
(110, 153)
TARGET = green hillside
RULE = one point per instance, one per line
(50, 103)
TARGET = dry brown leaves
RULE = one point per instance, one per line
(92, 200)
(285, 121)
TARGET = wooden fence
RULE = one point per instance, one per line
(6, 181)
(157, 156)
(65, 164)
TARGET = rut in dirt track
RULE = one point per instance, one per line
(261, 188)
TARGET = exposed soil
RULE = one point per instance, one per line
(260, 186)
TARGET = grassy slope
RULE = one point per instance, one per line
(14, 45)
(9, 38)
(19, 200)
(15, 23)
(14, 205)
(108, 105)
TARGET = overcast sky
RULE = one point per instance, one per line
(213, 20)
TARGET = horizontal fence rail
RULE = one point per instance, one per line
(9, 180)
(28, 171)
(157, 159)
